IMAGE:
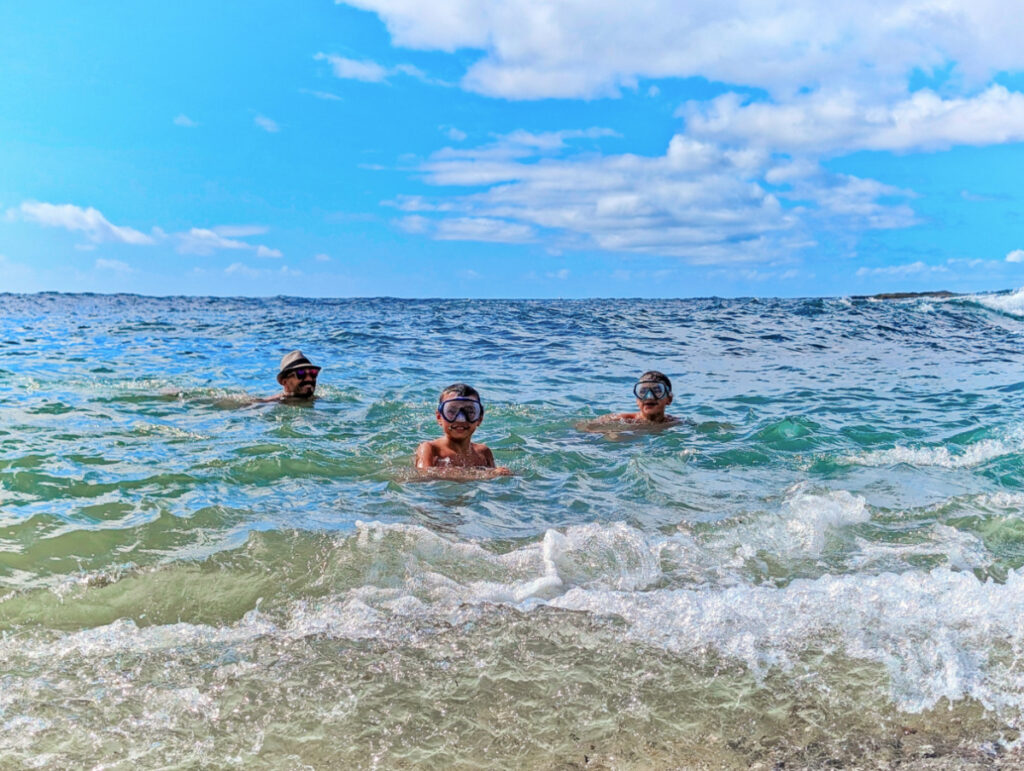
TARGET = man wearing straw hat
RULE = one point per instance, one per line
(297, 377)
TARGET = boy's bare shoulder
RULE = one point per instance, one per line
(630, 421)
(426, 453)
(596, 424)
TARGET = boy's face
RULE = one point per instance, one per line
(650, 407)
(461, 408)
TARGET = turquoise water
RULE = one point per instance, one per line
(823, 564)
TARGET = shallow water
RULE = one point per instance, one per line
(822, 565)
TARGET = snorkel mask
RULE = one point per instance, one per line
(461, 407)
(647, 390)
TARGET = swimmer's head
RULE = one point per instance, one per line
(653, 393)
(298, 375)
(653, 376)
(460, 410)
(456, 390)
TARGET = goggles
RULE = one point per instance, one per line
(470, 410)
(303, 372)
(651, 389)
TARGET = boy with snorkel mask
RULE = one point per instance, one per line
(653, 392)
(459, 413)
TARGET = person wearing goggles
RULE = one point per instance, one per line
(459, 413)
(297, 377)
(653, 392)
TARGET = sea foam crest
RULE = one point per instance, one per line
(971, 456)
(936, 633)
(801, 527)
(1011, 304)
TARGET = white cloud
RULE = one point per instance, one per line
(239, 231)
(699, 201)
(204, 241)
(265, 123)
(844, 122)
(243, 270)
(116, 266)
(453, 133)
(369, 71)
(207, 241)
(912, 269)
(561, 275)
(524, 144)
(565, 48)
(326, 96)
(322, 258)
(1017, 255)
(263, 251)
(89, 221)
(354, 69)
(184, 121)
(96, 227)
(470, 229)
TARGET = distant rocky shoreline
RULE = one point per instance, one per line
(903, 295)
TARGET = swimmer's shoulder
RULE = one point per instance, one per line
(427, 454)
(484, 452)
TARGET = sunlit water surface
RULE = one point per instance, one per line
(822, 566)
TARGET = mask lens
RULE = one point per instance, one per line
(645, 391)
(468, 410)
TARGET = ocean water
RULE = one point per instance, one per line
(823, 566)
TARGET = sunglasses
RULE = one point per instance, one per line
(303, 372)
(471, 410)
(651, 390)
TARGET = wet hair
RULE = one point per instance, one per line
(653, 376)
(460, 389)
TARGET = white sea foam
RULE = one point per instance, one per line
(939, 634)
(1001, 500)
(1011, 304)
(936, 633)
(971, 456)
(807, 518)
(957, 549)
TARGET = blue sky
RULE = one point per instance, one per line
(466, 148)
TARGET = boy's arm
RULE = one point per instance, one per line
(501, 471)
(424, 455)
